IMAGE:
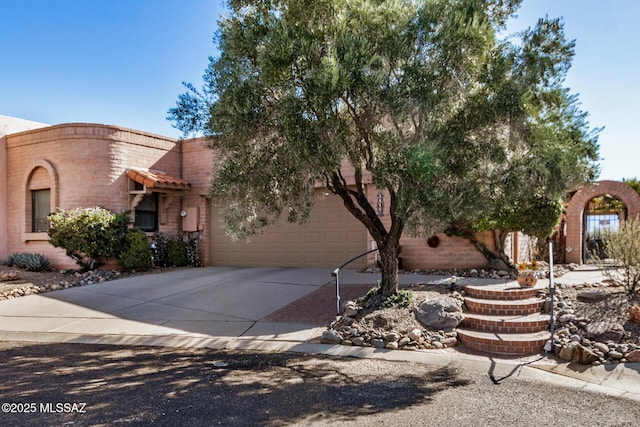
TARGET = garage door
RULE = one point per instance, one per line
(331, 237)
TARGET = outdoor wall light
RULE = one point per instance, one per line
(380, 204)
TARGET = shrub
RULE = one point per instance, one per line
(136, 253)
(623, 246)
(175, 249)
(177, 254)
(88, 235)
(30, 262)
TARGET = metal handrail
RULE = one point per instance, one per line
(336, 273)
(552, 290)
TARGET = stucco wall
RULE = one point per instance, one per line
(8, 125)
(197, 168)
(451, 252)
(86, 165)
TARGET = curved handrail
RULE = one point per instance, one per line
(336, 273)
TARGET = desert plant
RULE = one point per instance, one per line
(623, 247)
(28, 261)
(373, 298)
(136, 253)
(400, 299)
(88, 235)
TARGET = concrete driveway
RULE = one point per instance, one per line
(185, 304)
(183, 307)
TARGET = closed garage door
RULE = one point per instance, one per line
(331, 237)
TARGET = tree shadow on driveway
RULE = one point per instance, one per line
(168, 386)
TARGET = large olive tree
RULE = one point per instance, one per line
(421, 98)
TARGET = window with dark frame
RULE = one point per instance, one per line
(146, 213)
(40, 210)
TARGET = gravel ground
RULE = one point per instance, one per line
(112, 385)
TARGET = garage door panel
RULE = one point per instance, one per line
(331, 237)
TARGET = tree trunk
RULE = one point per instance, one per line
(389, 264)
(491, 256)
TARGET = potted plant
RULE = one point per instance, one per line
(526, 274)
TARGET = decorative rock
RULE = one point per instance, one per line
(575, 338)
(615, 355)
(392, 336)
(351, 309)
(415, 335)
(331, 336)
(634, 314)
(450, 342)
(404, 341)
(592, 295)
(443, 313)
(574, 352)
(605, 332)
(359, 341)
(585, 356)
(566, 318)
(633, 356)
(601, 346)
(392, 345)
(566, 352)
(378, 343)
(437, 345)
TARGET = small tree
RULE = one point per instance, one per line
(623, 246)
(88, 235)
(423, 99)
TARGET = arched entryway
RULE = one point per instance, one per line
(601, 215)
(593, 208)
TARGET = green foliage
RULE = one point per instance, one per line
(177, 253)
(374, 297)
(88, 235)
(623, 246)
(136, 253)
(402, 298)
(633, 183)
(175, 249)
(28, 261)
(422, 98)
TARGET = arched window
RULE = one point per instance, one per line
(40, 200)
(40, 197)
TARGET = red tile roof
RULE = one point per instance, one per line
(157, 180)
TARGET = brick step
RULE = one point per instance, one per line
(504, 307)
(504, 344)
(507, 292)
(537, 322)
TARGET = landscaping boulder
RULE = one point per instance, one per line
(633, 356)
(576, 353)
(592, 295)
(331, 336)
(604, 332)
(441, 314)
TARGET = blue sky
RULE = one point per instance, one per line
(122, 62)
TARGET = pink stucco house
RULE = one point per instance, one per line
(165, 182)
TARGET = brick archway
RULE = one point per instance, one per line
(575, 212)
